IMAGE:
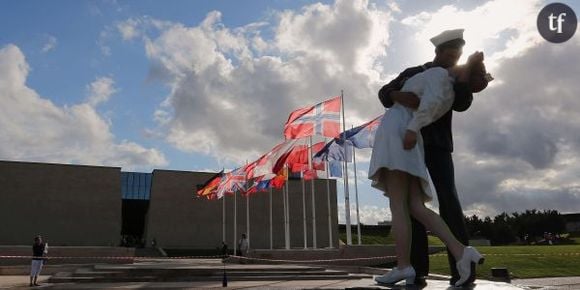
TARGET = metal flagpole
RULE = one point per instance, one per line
(235, 223)
(285, 218)
(224, 218)
(287, 209)
(271, 237)
(247, 208)
(304, 209)
(356, 195)
(345, 177)
(310, 167)
(328, 201)
(248, 218)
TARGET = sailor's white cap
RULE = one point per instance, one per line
(449, 35)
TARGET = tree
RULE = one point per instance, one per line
(508, 228)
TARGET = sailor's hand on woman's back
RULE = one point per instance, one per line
(410, 140)
(407, 99)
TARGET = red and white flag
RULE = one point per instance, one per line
(320, 119)
(267, 164)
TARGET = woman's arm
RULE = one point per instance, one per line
(436, 100)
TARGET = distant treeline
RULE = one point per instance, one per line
(529, 227)
(373, 230)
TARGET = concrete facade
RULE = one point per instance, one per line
(77, 205)
(70, 205)
(172, 204)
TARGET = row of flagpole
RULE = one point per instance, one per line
(285, 195)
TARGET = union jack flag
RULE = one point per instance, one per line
(232, 181)
(320, 119)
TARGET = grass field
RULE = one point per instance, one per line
(521, 261)
(383, 239)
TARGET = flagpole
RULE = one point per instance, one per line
(287, 210)
(247, 207)
(345, 177)
(328, 201)
(285, 218)
(271, 237)
(356, 195)
(224, 218)
(310, 167)
(304, 209)
(235, 223)
(248, 218)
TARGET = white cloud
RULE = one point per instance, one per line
(516, 149)
(232, 90)
(513, 146)
(102, 42)
(50, 44)
(100, 90)
(368, 214)
(32, 128)
(129, 28)
(499, 28)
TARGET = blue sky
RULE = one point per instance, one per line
(201, 85)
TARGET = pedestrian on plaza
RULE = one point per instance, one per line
(243, 245)
(39, 252)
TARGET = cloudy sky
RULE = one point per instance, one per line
(201, 85)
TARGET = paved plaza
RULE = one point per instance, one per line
(207, 273)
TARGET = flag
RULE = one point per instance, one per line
(208, 188)
(363, 136)
(232, 181)
(259, 185)
(266, 165)
(320, 119)
(335, 168)
(249, 169)
(263, 185)
(334, 151)
(280, 179)
(309, 174)
(297, 158)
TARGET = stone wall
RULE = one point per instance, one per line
(69, 205)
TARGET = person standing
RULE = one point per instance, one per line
(224, 249)
(39, 252)
(243, 245)
(438, 146)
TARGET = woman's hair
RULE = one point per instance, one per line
(479, 78)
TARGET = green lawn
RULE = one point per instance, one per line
(367, 239)
(521, 261)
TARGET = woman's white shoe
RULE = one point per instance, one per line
(470, 255)
(396, 275)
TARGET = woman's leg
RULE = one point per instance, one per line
(431, 220)
(397, 187)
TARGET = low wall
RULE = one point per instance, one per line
(354, 255)
(69, 255)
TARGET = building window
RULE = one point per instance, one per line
(135, 185)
